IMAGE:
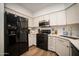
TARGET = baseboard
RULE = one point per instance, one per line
(32, 45)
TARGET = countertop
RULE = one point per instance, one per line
(75, 42)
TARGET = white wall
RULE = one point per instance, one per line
(1, 28)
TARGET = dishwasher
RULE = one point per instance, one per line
(75, 51)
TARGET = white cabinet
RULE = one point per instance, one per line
(62, 47)
(72, 14)
(58, 18)
(61, 18)
(53, 19)
(32, 39)
(51, 43)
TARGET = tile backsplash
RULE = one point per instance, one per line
(71, 30)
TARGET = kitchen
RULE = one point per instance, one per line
(51, 28)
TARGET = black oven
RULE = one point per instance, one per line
(46, 31)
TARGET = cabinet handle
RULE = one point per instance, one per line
(68, 46)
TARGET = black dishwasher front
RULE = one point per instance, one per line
(75, 51)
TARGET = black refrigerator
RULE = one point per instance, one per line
(15, 34)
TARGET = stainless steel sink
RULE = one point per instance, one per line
(69, 37)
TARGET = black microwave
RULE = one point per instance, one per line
(43, 23)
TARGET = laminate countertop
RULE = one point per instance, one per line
(75, 42)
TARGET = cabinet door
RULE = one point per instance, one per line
(53, 19)
(32, 39)
(62, 47)
(51, 44)
(61, 18)
(72, 14)
(54, 43)
(67, 50)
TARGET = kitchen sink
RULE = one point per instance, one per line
(69, 37)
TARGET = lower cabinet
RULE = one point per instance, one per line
(51, 43)
(32, 39)
(60, 45)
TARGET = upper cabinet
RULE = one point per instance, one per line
(72, 14)
(68, 16)
(58, 18)
(53, 19)
(61, 18)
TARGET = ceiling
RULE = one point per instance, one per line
(35, 7)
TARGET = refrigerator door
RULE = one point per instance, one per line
(24, 22)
